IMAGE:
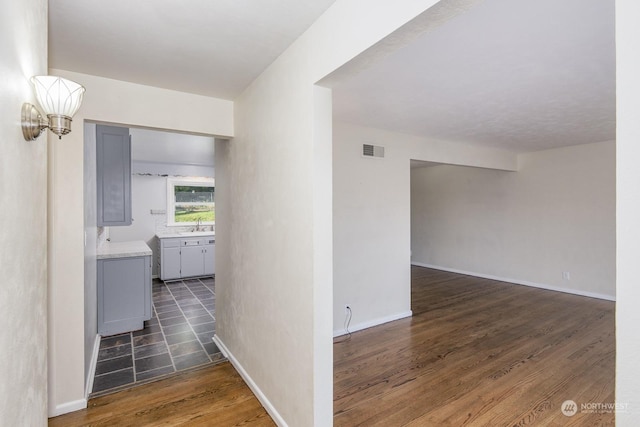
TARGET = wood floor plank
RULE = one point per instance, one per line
(214, 395)
(478, 352)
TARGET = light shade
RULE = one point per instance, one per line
(58, 96)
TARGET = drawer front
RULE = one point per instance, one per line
(170, 243)
(190, 242)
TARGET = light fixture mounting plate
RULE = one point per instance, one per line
(32, 122)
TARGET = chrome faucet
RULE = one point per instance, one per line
(198, 223)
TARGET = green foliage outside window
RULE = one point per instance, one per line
(194, 203)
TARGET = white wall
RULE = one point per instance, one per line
(106, 101)
(371, 214)
(628, 210)
(90, 255)
(555, 215)
(23, 223)
(371, 264)
(265, 285)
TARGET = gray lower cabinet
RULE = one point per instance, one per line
(124, 294)
(186, 257)
(170, 263)
(191, 261)
(209, 259)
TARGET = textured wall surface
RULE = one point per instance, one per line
(555, 215)
(371, 231)
(23, 221)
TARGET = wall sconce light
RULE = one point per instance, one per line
(59, 98)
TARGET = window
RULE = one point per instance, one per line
(190, 200)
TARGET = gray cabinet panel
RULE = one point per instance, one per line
(124, 294)
(191, 262)
(182, 257)
(170, 263)
(209, 259)
(113, 168)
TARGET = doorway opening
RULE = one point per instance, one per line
(177, 334)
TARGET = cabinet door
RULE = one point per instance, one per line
(191, 261)
(113, 169)
(123, 294)
(209, 259)
(170, 264)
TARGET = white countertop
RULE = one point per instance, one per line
(123, 249)
(169, 235)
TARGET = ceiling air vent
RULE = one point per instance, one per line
(372, 151)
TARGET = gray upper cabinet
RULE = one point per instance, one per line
(113, 168)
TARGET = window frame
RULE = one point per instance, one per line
(172, 182)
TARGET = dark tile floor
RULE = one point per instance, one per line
(177, 337)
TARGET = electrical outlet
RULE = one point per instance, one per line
(566, 275)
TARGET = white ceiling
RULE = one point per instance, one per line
(173, 148)
(215, 48)
(522, 75)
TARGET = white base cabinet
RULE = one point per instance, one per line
(182, 257)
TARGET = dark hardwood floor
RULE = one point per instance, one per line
(478, 352)
(211, 396)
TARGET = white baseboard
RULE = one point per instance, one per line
(373, 322)
(92, 367)
(519, 282)
(275, 415)
(220, 345)
(79, 404)
(67, 407)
